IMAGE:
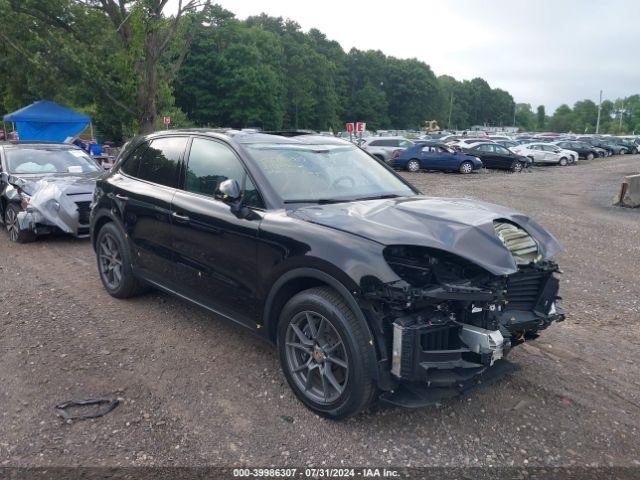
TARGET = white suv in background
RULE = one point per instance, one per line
(383, 148)
(546, 153)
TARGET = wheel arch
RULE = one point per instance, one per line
(101, 218)
(295, 281)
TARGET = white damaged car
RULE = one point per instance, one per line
(542, 152)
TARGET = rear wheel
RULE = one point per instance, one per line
(466, 167)
(623, 151)
(562, 162)
(590, 156)
(325, 354)
(114, 263)
(413, 165)
(12, 225)
(517, 167)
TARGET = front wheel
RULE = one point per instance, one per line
(466, 167)
(325, 354)
(114, 263)
(517, 167)
(562, 162)
(413, 165)
(634, 150)
(12, 225)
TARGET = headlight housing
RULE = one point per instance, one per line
(421, 266)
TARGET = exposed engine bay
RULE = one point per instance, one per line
(450, 319)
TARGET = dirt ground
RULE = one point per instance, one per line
(198, 391)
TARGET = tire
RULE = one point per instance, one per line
(517, 167)
(634, 151)
(114, 263)
(413, 165)
(379, 157)
(466, 167)
(562, 162)
(589, 156)
(336, 388)
(13, 228)
(623, 151)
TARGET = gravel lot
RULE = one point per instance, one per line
(199, 391)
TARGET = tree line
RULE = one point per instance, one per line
(126, 63)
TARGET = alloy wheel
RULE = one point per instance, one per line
(316, 357)
(517, 167)
(413, 166)
(11, 222)
(110, 261)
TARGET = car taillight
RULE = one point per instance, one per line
(396, 154)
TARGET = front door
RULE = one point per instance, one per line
(216, 249)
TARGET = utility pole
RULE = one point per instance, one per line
(621, 114)
(599, 109)
(450, 110)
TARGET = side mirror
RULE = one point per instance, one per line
(229, 190)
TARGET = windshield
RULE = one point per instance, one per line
(316, 173)
(35, 160)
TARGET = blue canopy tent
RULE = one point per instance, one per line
(47, 121)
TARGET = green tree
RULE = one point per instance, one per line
(541, 118)
(562, 119)
(585, 116)
(525, 118)
(123, 50)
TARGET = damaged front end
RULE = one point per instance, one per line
(50, 205)
(449, 320)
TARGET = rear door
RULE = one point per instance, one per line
(216, 248)
(486, 154)
(143, 191)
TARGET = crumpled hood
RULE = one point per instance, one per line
(70, 184)
(460, 226)
(53, 199)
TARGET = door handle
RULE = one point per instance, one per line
(180, 218)
(124, 198)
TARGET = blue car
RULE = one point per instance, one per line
(436, 156)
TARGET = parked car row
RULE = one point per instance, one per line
(467, 153)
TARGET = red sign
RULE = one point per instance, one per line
(166, 120)
(360, 127)
(350, 127)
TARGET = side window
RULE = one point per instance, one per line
(132, 163)
(375, 143)
(501, 150)
(211, 163)
(161, 162)
(405, 143)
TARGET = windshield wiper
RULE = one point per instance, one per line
(378, 197)
(320, 201)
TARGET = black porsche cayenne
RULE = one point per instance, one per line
(369, 289)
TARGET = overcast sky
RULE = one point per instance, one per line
(542, 51)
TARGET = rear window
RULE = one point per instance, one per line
(160, 163)
(132, 164)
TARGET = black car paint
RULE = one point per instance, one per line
(245, 264)
(496, 160)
